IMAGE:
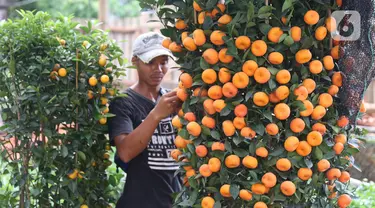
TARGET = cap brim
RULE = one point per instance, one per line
(149, 55)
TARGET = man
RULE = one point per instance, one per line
(142, 130)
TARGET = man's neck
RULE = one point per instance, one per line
(150, 92)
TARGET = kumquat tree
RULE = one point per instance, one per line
(55, 83)
(260, 125)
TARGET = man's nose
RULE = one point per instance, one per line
(158, 67)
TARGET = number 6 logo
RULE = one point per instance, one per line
(348, 24)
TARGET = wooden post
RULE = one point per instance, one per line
(3, 10)
(103, 13)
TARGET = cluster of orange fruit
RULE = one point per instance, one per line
(220, 84)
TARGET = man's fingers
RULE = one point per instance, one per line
(172, 99)
(170, 94)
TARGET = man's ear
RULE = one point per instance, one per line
(134, 60)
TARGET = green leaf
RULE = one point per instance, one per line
(250, 11)
(329, 155)
(265, 9)
(184, 133)
(264, 28)
(82, 155)
(318, 154)
(206, 131)
(204, 64)
(258, 128)
(240, 152)
(308, 163)
(64, 151)
(228, 146)
(279, 151)
(287, 5)
(207, 24)
(215, 134)
(307, 43)
(217, 204)
(234, 190)
(237, 140)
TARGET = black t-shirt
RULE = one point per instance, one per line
(150, 177)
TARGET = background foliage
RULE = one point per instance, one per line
(54, 112)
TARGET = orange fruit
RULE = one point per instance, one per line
(282, 111)
(201, 17)
(303, 148)
(282, 92)
(209, 107)
(310, 85)
(218, 146)
(250, 162)
(309, 108)
(207, 201)
(316, 67)
(341, 138)
(344, 201)
(321, 33)
(174, 47)
(209, 76)
(186, 79)
(272, 129)
(330, 24)
(224, 75)
(301, 93)
(283, 76)
(240, 80)
(311, 17)
(339, 3)
(249, 67)
(239, 122)
(240, 110)
(333, 174)
(362, 107)
(245, 195)
(180, 142)
(247, 132)
(194, 128)
(291, 143)
(273, 98)
(228, 128)
(199, 37)
(259, 48)
(345, 177)
(274, 34)
(260, 204)
(275, 58)
(325, 100)
(342, 122)
(262, 75)
(190, 172)
(338, 148)
(297, 125)
(219, 6)
(190, 116)
(328, 63)
(243, 42)
(214, 164)
(260, 99)
(184, 35)
(319, 127)
(258, 188)
(303, 56)
(261, 152)
(323, 165)
(296, 33)
(225, 19)
(283, 164)
(187, 167)
(284, 20)
(219, 105)
(208, 122)
(224, 57)
(180, 24)
(335, 52)
(215, 92)
(333, 90)
(166, 42)
(182, 94)
(225, 190)
(229, 90)
(269, 180)
(205, 171)
(201, 150)
(318, 113)
(232, 161)
(189, 44)
(211, 56)
(175, 153)
(288, 188)
(216, 37)
(196, 6)
(304, 173)
(199, 92)
(314, 138)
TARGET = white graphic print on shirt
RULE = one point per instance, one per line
(161, 145)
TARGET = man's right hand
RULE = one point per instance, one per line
(168, 104)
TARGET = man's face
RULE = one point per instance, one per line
(153, 72)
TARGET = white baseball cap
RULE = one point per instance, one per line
(149, 46)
